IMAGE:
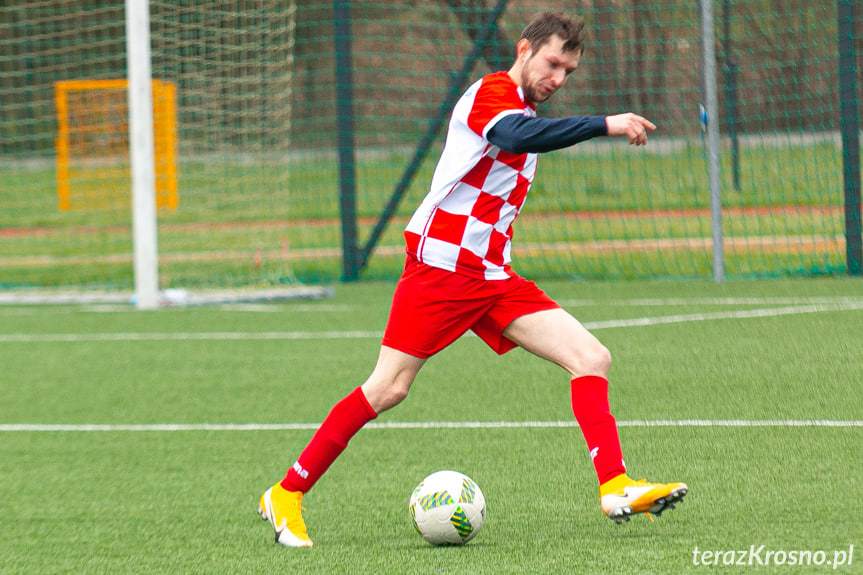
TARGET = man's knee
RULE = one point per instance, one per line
(395, 393)
(593, 360)
(389, 383)
(601, 360)
(383, 394)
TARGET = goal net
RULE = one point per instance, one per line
(268, 103)
(222, 91)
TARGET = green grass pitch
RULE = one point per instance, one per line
(159, 501)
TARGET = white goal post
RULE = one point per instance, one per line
(142, 155)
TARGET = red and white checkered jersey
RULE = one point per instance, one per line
(464, 224)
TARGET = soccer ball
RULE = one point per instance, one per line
(447, 508)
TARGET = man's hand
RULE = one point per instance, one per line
(630, 125)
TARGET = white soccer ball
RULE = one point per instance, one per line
(447, 508)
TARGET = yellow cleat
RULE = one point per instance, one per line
(284, 510)
(623, 497)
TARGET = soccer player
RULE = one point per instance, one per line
(457, 276)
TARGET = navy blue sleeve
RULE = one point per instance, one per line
(519, 134)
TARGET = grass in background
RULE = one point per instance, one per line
(231, 211)
(225, 190)
(169, 502)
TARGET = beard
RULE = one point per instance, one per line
(532, 92)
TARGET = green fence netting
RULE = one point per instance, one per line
(259, 161)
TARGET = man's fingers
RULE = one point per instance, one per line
(640, 128)
(637, 135)
(633, 126)
(647, 124)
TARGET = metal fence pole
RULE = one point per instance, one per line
(850, 137)
(708, 39)
(345, 121)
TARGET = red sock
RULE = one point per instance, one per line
(590, 406)
(345, 419)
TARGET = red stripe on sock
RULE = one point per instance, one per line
(345, 419)
(591, 410)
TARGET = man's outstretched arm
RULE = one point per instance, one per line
(520, 134)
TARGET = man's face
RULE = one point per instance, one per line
(544, 71)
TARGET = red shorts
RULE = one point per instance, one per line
(433, 307)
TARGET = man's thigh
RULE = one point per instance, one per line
(559, 337)
(520, 297)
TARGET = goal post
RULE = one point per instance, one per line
(142, 154)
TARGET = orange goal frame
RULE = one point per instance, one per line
(164, 136)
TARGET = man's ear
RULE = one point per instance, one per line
(523, 50)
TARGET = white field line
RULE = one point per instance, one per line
(181, 336)
(854, 304)
(171, 427)
(718, 301)
(737, 314)
(226, 307)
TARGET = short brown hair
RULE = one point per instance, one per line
(548, 24)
